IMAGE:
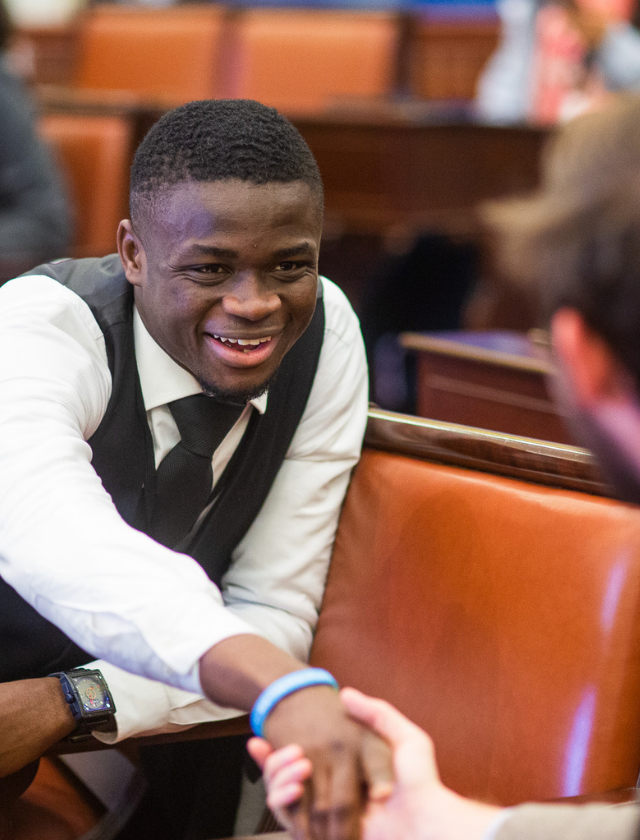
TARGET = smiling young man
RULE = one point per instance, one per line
(214, 296)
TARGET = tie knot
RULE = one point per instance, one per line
(203, 422)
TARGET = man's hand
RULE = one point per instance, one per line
(420, 807)
(350, 764)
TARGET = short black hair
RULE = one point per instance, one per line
(218, 139)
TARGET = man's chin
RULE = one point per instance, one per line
(235, 395)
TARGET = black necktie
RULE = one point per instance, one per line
(184, 478)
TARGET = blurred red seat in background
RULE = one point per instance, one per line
(94, 153)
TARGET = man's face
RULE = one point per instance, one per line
(600, 400)
(225, 277)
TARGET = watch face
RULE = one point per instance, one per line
(92, 694)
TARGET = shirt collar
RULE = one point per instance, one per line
(162, 380)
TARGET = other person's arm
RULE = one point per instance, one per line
(421, 807)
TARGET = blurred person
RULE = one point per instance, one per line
(35, 219)
(573, 247)
(602, 53)
(420, 807)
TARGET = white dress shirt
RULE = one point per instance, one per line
(115, 591)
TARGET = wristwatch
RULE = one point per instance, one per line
(90, 702)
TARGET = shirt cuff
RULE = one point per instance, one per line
(146, 706)
(496, 824)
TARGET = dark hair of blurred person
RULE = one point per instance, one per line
(574, 248)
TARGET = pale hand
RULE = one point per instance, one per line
(349, 764)
(420, 807)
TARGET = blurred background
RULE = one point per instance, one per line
(417, 111)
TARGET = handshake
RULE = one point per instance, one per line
(417, 806)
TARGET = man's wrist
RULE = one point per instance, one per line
(235, 671)
(283, 687)
(57, 708)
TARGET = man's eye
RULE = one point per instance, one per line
(211, 268)
(291, 266)
(209, 273)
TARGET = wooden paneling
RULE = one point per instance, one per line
(463, 378)
(383, 170)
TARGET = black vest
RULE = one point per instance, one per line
(122, 448)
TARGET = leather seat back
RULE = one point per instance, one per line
(501, 616)
(168, 55)
(300, 60)
(94, 153)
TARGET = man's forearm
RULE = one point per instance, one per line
(236, 670)
(33, 716)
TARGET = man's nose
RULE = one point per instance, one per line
(250, 300)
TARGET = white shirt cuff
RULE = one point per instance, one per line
(491, 831)
(146, 706)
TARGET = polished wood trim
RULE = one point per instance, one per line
(212, 729)
(527, 459)
(460, 350)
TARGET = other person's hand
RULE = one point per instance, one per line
(420, 807)
(350, 764)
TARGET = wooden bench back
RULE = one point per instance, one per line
(500, 615)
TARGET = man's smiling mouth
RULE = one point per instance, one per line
(245, 345)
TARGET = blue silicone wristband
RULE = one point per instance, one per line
(282, 687)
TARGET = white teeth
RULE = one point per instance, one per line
(243, 341)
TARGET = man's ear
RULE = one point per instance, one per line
(594, 372)
(131, 252)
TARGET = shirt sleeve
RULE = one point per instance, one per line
(63, 545)
(570, 822)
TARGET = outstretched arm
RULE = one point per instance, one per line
(420, 806)
(345, 756)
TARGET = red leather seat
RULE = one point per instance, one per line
(501, 616)
(167, 55)
(300, 60)
(94, 153)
